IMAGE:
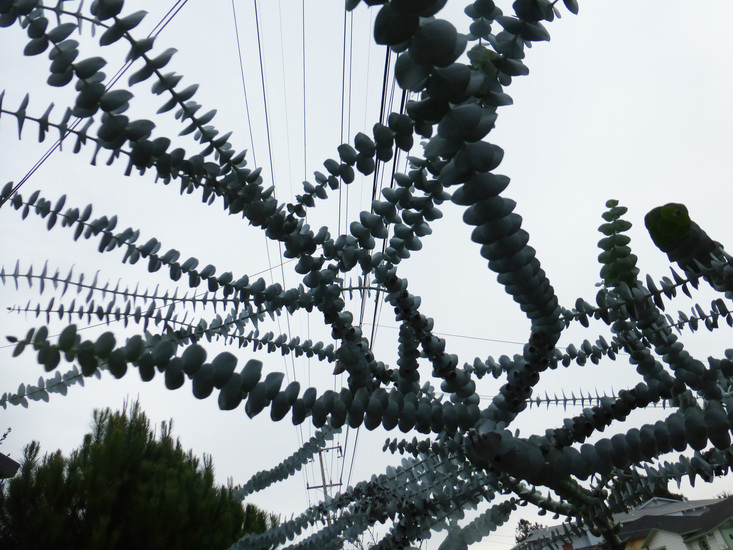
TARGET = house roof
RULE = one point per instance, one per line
(663, 506)
(689, 526)
(693, 516)
(540, 537)
(690, 519)
(8, 466)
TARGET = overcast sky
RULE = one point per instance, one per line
(628, 101)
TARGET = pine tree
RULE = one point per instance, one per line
(124, 487)
(525, 528)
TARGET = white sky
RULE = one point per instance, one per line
(629, 101)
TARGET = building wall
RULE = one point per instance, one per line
(667, 540)
(717, 536)
(715, 541)
(635, 544)
(727, 534)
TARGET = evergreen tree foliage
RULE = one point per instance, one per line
(525, 528)
(124, 487)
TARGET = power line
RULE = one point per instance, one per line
(285, 100)
(341, 129)
(244, 83)
(299, 430)
(375, 192)
(467, 337)
(264, 92)
(305, 138)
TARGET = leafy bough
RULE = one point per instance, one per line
(469, 457)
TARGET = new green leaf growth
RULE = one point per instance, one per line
(668, 225)
(685, 243)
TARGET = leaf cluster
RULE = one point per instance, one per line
(467, 455)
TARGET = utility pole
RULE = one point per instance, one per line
(326, 485)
